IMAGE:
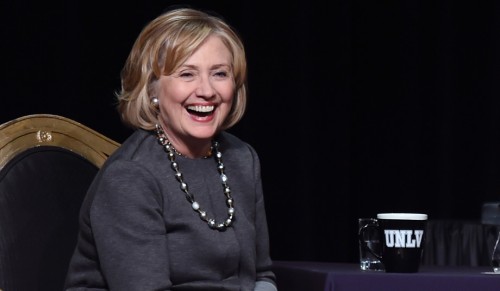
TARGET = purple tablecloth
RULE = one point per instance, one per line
(322, 276)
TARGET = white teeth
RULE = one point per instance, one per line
(201, 108)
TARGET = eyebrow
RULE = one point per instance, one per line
(216, 66)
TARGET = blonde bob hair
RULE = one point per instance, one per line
(162, 47)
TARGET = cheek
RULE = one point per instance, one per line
(227, 93)
(172, 94)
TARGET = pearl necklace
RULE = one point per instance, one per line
(171, 152)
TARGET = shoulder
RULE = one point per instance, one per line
(232, 144)
(132, 168)
(139, 152)
(237, 151)
(136, 147)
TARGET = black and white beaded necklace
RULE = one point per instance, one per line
(171, 152)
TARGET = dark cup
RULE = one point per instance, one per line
(403, 237)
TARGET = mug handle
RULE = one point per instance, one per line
(363, 242)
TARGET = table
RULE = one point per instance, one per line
(324, 276)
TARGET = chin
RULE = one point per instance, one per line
(204, 134)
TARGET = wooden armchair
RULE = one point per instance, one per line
(47, 162)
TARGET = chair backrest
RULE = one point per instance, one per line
(490, 213)
(47, 163)
(455, 242)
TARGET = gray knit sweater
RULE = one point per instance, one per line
(138, 231)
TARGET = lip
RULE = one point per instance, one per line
(201, 112)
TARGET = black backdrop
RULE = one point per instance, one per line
(356, 107)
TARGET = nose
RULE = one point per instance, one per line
(205, 87)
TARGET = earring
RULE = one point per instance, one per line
(155, 102)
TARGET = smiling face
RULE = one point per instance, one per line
(197, 97)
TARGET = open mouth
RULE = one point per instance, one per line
(201, 110)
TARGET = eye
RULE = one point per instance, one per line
(221, 74)
(186, 74)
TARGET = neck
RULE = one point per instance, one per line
(194, 150)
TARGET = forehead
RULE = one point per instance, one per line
(212, 50)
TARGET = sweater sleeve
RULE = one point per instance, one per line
(129, 231)
(264, 263)
(264, 286)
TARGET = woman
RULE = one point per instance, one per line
(180, 205)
